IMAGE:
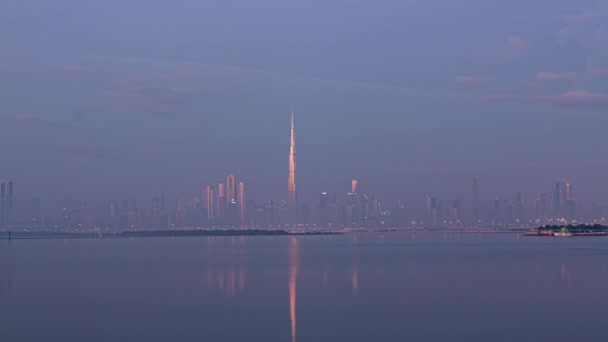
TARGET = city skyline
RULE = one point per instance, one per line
(405, 107)
(227, 206)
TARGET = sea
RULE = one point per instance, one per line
(400, 286)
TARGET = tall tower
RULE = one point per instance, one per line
(291, 180)
(221, 202)
(241, 208)
(230, 189)
(6, 205)
(208, 202)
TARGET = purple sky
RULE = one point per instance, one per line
(126, 98)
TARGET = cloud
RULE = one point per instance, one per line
(546, 76)
(581, 98)
(576, 19)
(587, 31)
(596, 73)
(471, 80)
(577, 98)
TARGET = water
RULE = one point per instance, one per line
(374, 287)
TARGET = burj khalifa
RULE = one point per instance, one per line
(291, 180)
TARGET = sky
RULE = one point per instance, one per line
(120, 99)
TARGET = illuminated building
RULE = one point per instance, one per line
(221, 202)
(208, 202)
(291, 180)
(241, 208)
(230, 189)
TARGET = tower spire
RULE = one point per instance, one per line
(291, 180)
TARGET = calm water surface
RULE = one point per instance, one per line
(375, 287)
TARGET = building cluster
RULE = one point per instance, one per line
(225, 205)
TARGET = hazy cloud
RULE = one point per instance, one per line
(546, 76)
(581, 98)
(576, 98)
(588, 30)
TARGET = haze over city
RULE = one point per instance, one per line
(303, 170)
(121, 100)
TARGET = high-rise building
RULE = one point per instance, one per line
(568, 189)
(570, 210)
(208, 197)
(366, 207)
(114, 215)
(7, 203)
(230, 189)
(375, 207)
(242, 209)
(221, 202)
(455, 213)
(545, 207)
(351, 206)
(497, 212)
(291, 180)
(519, 209)
(559, 196)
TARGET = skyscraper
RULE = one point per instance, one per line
(559, 197)
(230, 189)
(208, 202)
(6, 205)
(351, 205)
(291, 180)
(221, 202)
(242, 209)
(230, 214)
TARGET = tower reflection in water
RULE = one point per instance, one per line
(293, 276)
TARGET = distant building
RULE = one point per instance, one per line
(208, 203)
(220, 203)
(570, 210)
(241, 207)
(7, 203)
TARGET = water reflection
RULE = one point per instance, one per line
(6, 287)
(355, 279)
(293, 277)
(230, 283)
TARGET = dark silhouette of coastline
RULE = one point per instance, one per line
(578, 230)
(158, 233)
